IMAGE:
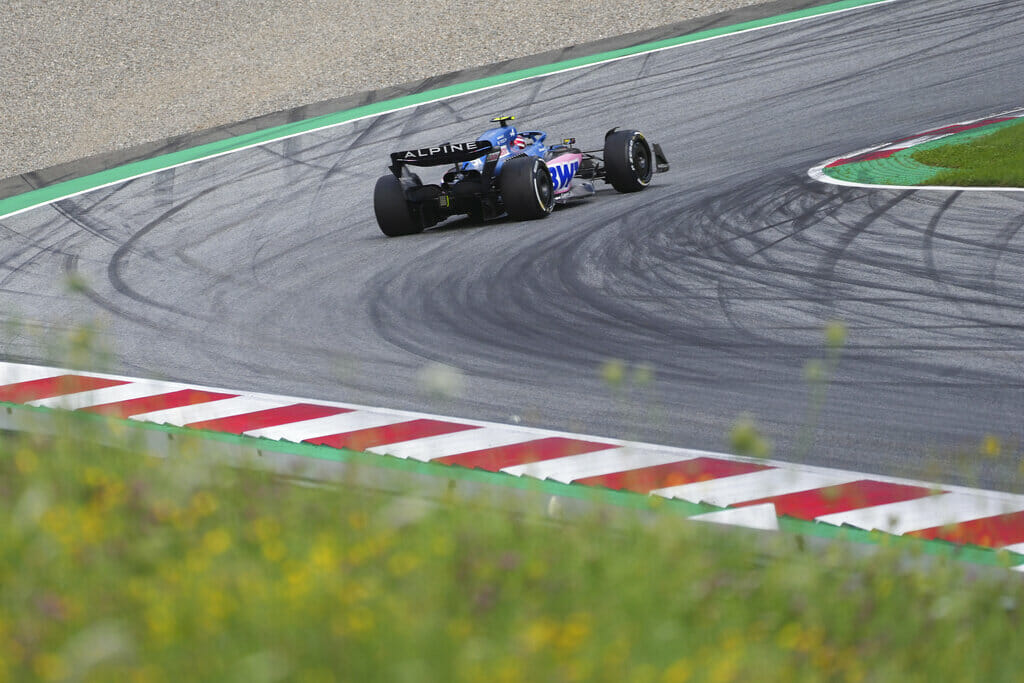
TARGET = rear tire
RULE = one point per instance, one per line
(526, 188)
(628, 161)
(395, 216)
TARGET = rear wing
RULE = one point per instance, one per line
(448, 153)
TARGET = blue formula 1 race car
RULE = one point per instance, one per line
(506, 171)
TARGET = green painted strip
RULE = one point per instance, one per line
(76, 186)
(901, 168)
(971, 554)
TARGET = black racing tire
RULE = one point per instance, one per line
(527, 190)
(628, 161)
(395, 216)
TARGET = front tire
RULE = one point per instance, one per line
(526, 188)
(395, 216)
(628, 161)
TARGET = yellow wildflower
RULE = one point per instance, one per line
(358, 519)
(297, 583)
(442, 545)
(991, 446)
(92, 525)
(216, 607)
(26, 461)
(203, 504)
(216, 541)
(403, 563)
(323, 556)
(540, 634)
(509, 670)
(616, 653)
(360, 620)
(94, 476)
(265, 528)
(459, 629)
(49, 667)
(574, 632)
(680, 671)
(273, 550)
(160, 620)
(724, 668)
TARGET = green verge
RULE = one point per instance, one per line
(78, 185)
(117, 567)
(995, 159)
(999, 146)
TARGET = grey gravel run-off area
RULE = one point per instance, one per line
(79, 77)
(264, 270)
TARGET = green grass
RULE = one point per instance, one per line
(118, 566)
(995, 160)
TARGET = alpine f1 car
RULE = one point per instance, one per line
(506, 171)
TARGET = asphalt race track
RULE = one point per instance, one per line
(264, 270)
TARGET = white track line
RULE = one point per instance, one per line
(477, 439)
(12, 373)
(326, 426)
(922, 513)
(215, 410)
(97, 397)
(597, 463)
(754, 485)
(761, 517)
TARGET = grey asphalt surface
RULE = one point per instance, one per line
(264, 270)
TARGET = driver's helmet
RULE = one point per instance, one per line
(519, 142)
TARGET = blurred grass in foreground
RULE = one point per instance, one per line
(115, 566)
(995, 160)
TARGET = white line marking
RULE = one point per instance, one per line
(326, 426)
(448, 97)
(597, 463)
(753, 486)
(761, 517)
(214, 410)
(11, 373)
(431, 447)
(96, 397)
(922, 513)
